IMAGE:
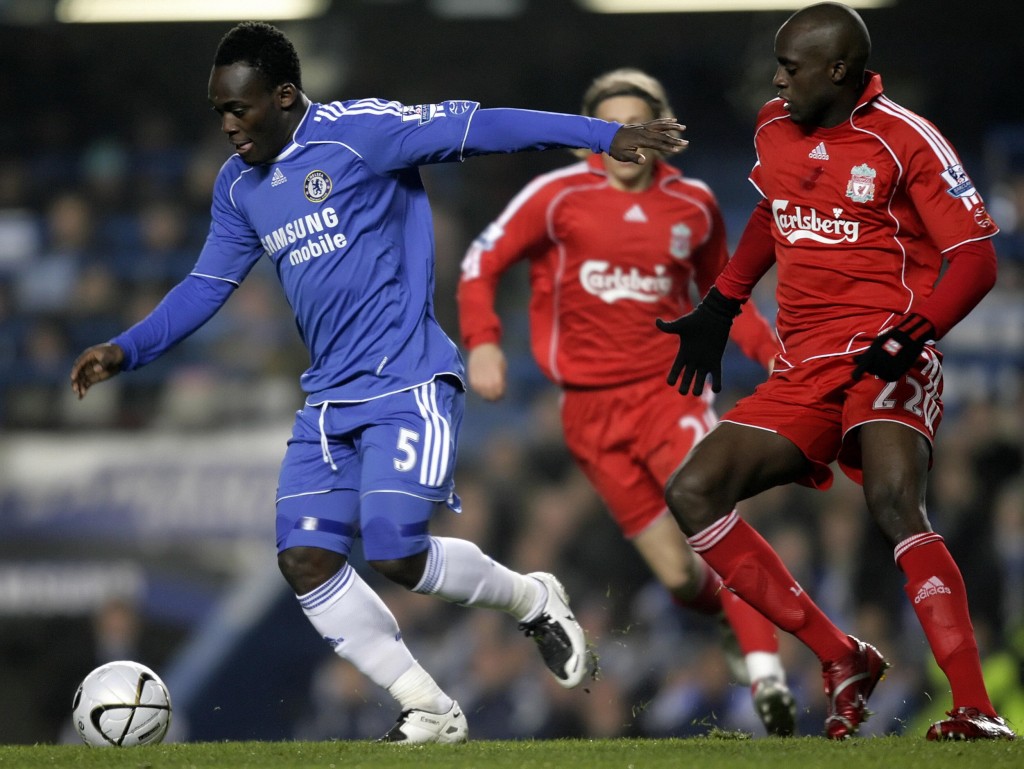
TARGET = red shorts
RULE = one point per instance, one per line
(628, 440)
(816, 404)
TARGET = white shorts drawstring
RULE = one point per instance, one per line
(324, 447)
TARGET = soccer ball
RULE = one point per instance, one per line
(122, 704)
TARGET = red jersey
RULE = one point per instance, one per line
(604, 264)
(862, 214)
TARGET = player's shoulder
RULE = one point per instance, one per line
(543, 190)
(376, 113)
(553, 182)
(566, 176)
(674, 179)
(771, 112)
(899, 125)
(327, 117)
(231, 168)
(233, 173)
(695, 191)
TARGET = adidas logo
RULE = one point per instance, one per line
(635, 214)
(933, 586)
(819, 152)
(277, 178)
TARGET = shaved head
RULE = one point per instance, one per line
(822, 51)
(837, 31)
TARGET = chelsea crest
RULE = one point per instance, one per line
(317, 186)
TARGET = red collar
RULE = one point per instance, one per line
(872, 90)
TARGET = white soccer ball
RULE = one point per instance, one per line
(122, 704)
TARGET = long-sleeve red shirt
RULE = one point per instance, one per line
(604, 264)
(859, 219)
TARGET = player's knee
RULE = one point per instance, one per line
(689, 495)
(406, 572)
(896, 490)
(897, 507)
(307, 568)
(396, 551)
(684, 581)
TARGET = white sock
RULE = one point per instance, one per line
(416, 690)
(764, 665)
(353, 619)
(458, 571)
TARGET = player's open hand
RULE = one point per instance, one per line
(703, 335)
(488, 371)
(659, 135)
(99, 362)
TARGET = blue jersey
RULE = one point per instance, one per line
(343, 215)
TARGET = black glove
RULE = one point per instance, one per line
(703, 335)
(892, 353)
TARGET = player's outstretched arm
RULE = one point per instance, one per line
(186, 307)
(95, 364)
(654, 134)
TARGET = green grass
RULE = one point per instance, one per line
(718, 751)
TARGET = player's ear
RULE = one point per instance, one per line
(287, 95)
(839, 71)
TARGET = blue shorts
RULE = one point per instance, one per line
(375, 469)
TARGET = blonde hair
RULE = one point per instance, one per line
(625, 81)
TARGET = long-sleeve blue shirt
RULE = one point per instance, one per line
(343, 216)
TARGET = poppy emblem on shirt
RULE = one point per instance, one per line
(317, 186)
(861, 187)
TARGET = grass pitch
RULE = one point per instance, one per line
(725, 751)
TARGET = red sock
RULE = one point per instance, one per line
(750, 568)
(936, 590)
(753, 630)
(708, 599)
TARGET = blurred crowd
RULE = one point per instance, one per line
(90, 243)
